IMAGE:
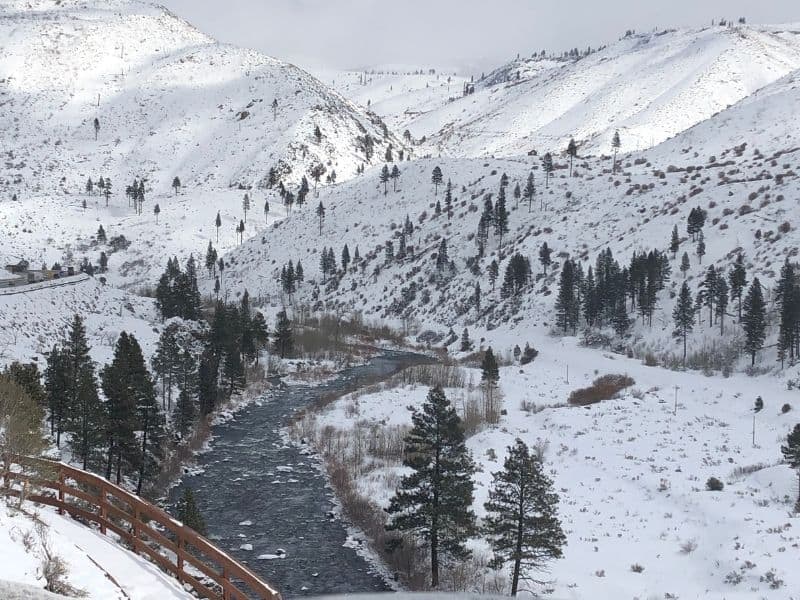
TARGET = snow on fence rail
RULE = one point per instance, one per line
(173, 547)
(42, 285)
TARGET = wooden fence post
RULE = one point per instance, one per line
(179, 556)
(103, 510)
(61, 480)
(226, 592)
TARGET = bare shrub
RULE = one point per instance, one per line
(52, 567)
(637, 568)
(688, 547)
(714, 485)
(603, 388)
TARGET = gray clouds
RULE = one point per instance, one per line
(458, 33)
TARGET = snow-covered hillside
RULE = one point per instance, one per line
(749, 192)
(649, 86)
(169, 101)
(96, 565)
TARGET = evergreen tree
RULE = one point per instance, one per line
(494, 271)
(395, 175)
(81, 390)
(89, 186)
(436, 179)
(385, 176)
(754, 320)
(176, 184)
(684, 264)
(466, 343)
(544, 257)
(189, 514)
(500, 218)
(572, 152)
(218, 224)
(246, 205)
(530, 190)
(522, 515)
(517, 276)
(737, 279)
(566, 302)
(320, 215)
(620, 319)
(448, 199)
(442, 260)
(164, 362)
(615, 144)
(188, 386)
(517, 195)
(101, 235)
(317, 134)
(791, 453)
(788, 298)
(211, 260)
(721, 306)
(434, 499)
(56, 391)
(547, 166)
(122, 392)
(707, 294)
(683, 315)
(156, 212)
(283, 343)
(701, 246)
(674, 242)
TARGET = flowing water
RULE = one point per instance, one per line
(263, 498)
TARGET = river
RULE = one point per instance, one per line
(261, 497)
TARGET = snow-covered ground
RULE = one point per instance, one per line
(631, 474)
(96, 564)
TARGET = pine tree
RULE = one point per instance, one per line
(211, 260)
(246, 205)
(189, 513)
(218, 224)
(89, 186)
(737, 279)
(101, 235)
(436, 179)
(434, 499)
(442, 260)
(522, 515)
(701, 246)
(188, 386)
(517, 195)
(788, 297)
(674, 242)
(791, 453)
(56, 391)
(283, 343)
(494, 271)
(572, 152)
(385, 176)
(544, 257)
(395, 175)
(500, 218)
(466, 343)
(530, 190)
(754, 320)
(684, 264)
(721, 298)
(615, 144)
(566, 301)
(620, 318)
(683, 315)
(708, 292)
(317, 134)
(122, 394)
(320, 215)
(156, 211)
(547, 166)
(448, 199)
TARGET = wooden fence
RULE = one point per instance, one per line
(175, 548)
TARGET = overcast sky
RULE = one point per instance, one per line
(458, 33)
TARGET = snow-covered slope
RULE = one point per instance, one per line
(649, 86)
(95, 564)
(169, 100)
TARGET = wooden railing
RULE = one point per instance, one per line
(174, 547)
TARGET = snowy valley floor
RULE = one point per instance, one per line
(632, 475)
